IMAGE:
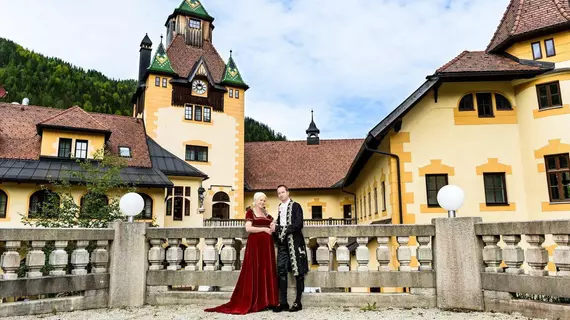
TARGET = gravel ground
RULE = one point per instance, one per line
(195, 312)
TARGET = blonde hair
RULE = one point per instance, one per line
(257, 196)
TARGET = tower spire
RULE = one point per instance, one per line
(313, 132)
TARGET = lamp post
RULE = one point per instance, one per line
(451, 198)
(131, 204)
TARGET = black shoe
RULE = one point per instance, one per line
(296, 307)
(281, 307)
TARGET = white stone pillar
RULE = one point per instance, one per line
(362, 254)
(228, 254)
(425, 254)
(11, 260)
(343, 255)
(100, 257)
(58, 259)
(36, 259)
(404, 253)
(210, 256)
(192, 254)
(492, 254)
(307, 250)
(562, 254)
(536, 255)
(513, 254)
(156, 254)
(174, 254)
(242, 251)
(323, 256)
(80, 258)
(383, 254)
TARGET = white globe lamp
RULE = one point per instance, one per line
(451, 198)
(131, 204)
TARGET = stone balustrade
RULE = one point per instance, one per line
(519, 263)
(458, 263)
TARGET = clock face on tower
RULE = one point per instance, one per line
(199, 86)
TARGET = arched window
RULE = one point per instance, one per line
(148, 206)
(466, 103)
(502, 102)
(41, 201)
(178, 202)
(91, 202)
(221, 206)
(3, 204)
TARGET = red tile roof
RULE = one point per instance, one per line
(480, 61)
(19, 138)
(75, 118)
(298, 165)
(524, 17)
(183, 57)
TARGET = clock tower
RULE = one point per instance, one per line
(192, 104)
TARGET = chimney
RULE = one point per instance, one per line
(145, 56)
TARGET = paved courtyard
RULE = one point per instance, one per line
(195, 312)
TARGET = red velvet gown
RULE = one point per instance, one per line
(256, 288)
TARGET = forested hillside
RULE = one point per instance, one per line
(52, 82)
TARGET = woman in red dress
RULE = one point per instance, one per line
(256, 288)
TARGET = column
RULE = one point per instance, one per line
(174, 254)
(36, 259)
(562, 254)
(492, 254)
(513, 254)
(242, 251)
(404, 253)
(228, 254)
(80, 258)
(156, 254)
(362, 254)
(536, 255)
(425, 254)
(58, 259)
(192, 254)
(383, 254)
(100, 257)
(343, 255)
(11, 260)
(210, 255)
(323, 254)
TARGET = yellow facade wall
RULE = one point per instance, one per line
(523, 49)
(50, 142)
(19, 197)
(196, 218)
(235, 108)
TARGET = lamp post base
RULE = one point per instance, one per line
(131, 219)
(451, 214)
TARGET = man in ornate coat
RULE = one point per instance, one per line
(291, 249)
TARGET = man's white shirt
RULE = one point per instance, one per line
(283, 212)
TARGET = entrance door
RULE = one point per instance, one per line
(347, 211)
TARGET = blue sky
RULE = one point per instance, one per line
(351, 61)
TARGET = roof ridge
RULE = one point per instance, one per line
(304, 140)
(563, 11)
(452, 61)
(68, 110)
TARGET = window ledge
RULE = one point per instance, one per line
(551, 111)
(484, 207)
(556, 206)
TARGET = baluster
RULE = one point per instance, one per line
(323, 257)
(1, 263)
(210, 256)
(383, 254)
(513, 254)
(242, 251)
(562, 254)
(11, 260)
(307, 250)
(58, 259)
(156, 254)
(536, 255)
(425, 254)
(80, 258)
(343, 254)
(228, 254)
(100, 257)
(404, 253)
(36, 259)
(174, 254)
(192, 254)
(492, 254)
(362, 253)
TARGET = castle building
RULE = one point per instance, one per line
(494, 122)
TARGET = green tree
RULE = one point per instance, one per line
(100, 206)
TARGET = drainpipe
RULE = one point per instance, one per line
(355, 205)
(400, 206)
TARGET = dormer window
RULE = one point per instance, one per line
(195, 24)
(64, 150)
(81, 149)
(125, 152)
(536, 51)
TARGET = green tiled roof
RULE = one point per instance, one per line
(161, 63)
(194, 8)
(232, 75)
